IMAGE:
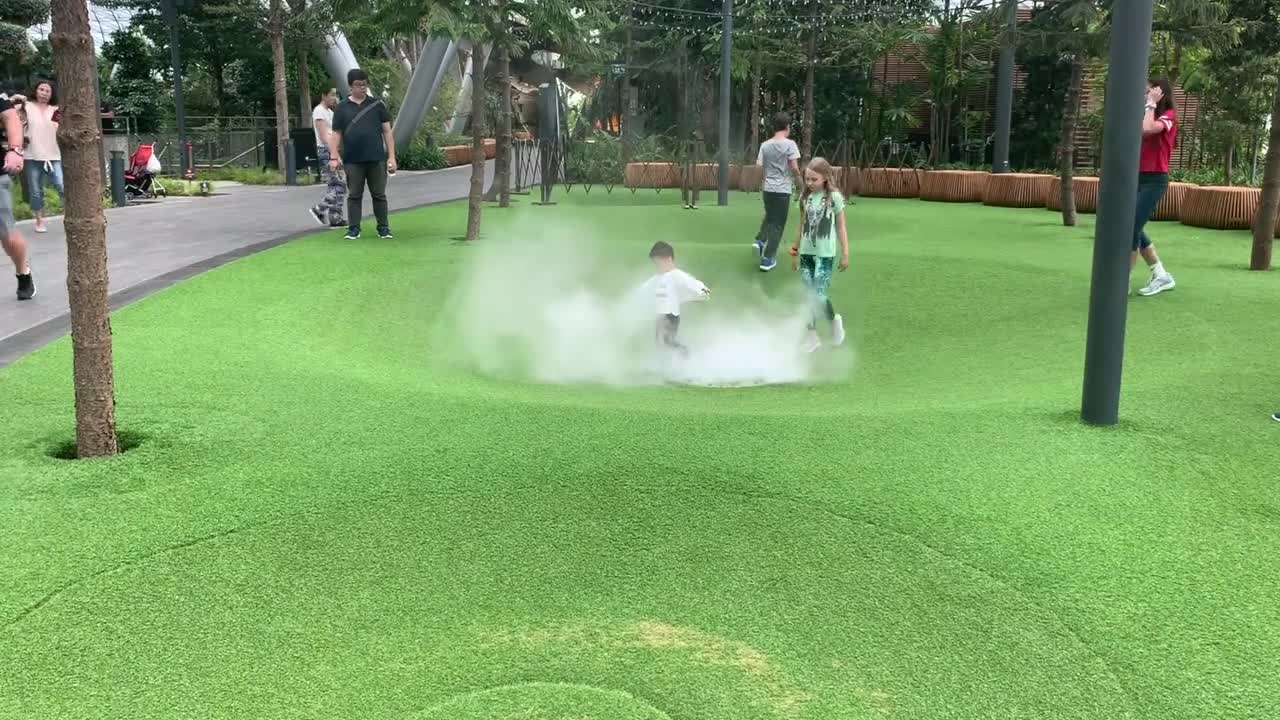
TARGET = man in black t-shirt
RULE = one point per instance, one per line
(361, 137)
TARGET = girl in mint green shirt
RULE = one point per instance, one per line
(822, 239)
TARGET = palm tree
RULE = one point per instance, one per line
(86, 230)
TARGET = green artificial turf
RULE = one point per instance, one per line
(329, 516)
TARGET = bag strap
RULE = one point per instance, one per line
(376, 102)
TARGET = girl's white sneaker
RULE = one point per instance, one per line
(837, 330)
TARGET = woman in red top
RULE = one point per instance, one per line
(1159, 132)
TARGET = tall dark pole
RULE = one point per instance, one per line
(170, 10)
(726, 65)
(1004, 91)
(1117, 199)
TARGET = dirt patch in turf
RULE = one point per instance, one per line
(702, 647)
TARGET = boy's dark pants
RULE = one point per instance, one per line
(668, 328)
(776, 206)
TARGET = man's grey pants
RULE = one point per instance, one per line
(375, 174)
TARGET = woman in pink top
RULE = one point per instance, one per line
(1159, 133)
(43, 158)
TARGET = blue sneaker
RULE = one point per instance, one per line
(352, 234)
(1276, 416)
(767, 264)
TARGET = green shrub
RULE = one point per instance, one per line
(421, 155)
(594, 159)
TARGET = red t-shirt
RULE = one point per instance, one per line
(1158, 148)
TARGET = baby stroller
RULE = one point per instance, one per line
(140, 178)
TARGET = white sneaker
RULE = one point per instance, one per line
(837, 331)
(1158, 285)
(811, 343)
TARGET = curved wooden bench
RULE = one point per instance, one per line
(890, 182)
(1084, 188)
(652, 175)
(1021, 190)
(1170, 207)
(1220, 208)
(953, 185)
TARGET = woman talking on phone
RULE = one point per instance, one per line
(1159, 133)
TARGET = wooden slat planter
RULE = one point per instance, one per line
(1170, 207)
(707, 175)
(850, 180)
(652, 175)
(953, 185)
(461, 154)
(1220, 208)
(890, 182)
(751, 179)
(1084, 188)
(1021, 190)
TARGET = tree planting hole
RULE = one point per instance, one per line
(125, 440)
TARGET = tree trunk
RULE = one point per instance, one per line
(806, 151)
(500, 190)
(304, 86)
(1067, 148)
(276, 28)
(755, 106)
(218, 70)
(476, 197)
(1264, 226)
(629, 109)
(86, 231)
(884, 98)
(1175, 68)
(304, 72)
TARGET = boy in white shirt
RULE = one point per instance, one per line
(670, 288)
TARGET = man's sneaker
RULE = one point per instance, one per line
(385, 233)
(1276, 416)
(352, 234)
(318, 215)
(1158, 285)
(26, 287)
(767, 264)
(837, 330)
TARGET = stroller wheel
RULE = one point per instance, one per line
(160, 191)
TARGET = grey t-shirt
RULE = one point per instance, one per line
(775, 157)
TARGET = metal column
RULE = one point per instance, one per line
(726, 85)
(427, 75)
(1117, 202)
(1004, 92)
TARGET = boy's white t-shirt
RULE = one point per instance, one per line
(673, 288)
(775, 157)
(321, 113)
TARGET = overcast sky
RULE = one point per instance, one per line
(102, 22)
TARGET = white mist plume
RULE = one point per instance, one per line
(552, 307)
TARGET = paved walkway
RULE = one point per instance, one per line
(152, 246)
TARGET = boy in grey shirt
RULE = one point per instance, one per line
(779, 157)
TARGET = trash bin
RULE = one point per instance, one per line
(304, 148)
